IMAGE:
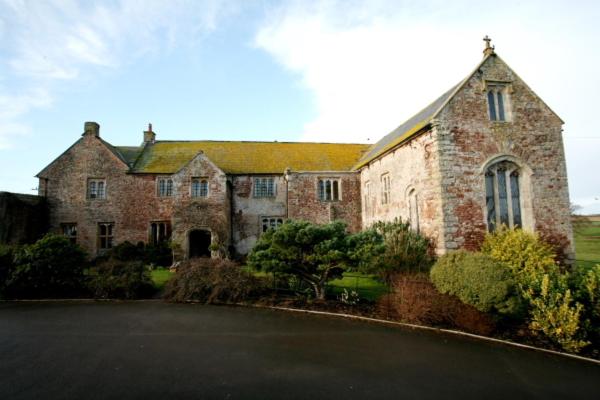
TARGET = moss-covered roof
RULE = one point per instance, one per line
(166, 157)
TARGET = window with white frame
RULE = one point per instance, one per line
(160, 231)
(502, 195)
(264, 187)
(105, 235)
(270, 223)
(497, 97)
(70, 231)
(199, 187)
(165, 187)
(413, 210)
(96, 188)
(330, 189)
(386, 184)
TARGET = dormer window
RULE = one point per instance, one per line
(497, 102)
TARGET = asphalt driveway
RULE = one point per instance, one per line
(153, 350)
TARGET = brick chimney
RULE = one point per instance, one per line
(91, 128)
(149, 135)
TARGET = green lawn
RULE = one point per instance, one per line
(587, 242)
(367, 286)
(160, 276)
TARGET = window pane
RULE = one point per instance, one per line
(336, 193)
(92, 189)
(270, 187)
(169, 187)
(516, 206)
(103, 230)
(500, 107)
(321, 189)
(502, 196)
(100, 190)
(161, 187)
(491, 105)
(203, 188)
(489, 201)
(327, 190)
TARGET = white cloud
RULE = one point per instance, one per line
(54, 42)
(371, 65)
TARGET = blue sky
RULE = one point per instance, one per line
(337, 71)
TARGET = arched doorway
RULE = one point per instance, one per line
(199, 243)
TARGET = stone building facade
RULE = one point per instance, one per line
(487, 152)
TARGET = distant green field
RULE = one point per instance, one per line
(587, 242)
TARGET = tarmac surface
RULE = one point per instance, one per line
(154, 350)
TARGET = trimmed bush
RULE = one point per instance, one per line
(116, 279)
(478, 280)
(51, 267)
(159, 254)
(212, 281)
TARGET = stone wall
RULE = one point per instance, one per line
(411, 166)
(304, 202)
(249, 210)
(23, 218)
(531, 138)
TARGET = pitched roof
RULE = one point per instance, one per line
(250, 157)
(405, 131)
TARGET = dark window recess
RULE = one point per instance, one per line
(271, 223)
(70, 231)
(105, 235)
(159, 232)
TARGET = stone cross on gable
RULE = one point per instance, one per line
(488, 49)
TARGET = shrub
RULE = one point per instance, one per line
(51, 267)
(415, 300)
(313, 253)
(405, 249)
(212, 281)
(159, 254)
(116, 279)
(552, 308)
(554, 313)
(478, 280)
(7, 255)
(525, 254)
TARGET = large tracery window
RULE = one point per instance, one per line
(502, 195)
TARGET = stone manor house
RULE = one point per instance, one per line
(487, 152)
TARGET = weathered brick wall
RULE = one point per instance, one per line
(23, 218)
(249, 210)
(304, 203)
(414, 165)
(468, 140)
(132, 201)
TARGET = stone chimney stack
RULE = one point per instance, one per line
(149, 135)
(91, 128)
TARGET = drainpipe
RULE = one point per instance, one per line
(231, 246)
(286, 176)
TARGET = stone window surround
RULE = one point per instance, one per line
(160, 231)
(412, 200)
(69, 230)
(105, 241)
(506, 89)
(525, 187)
(264, 187)
(202, 193)
(266, 222)
(369, 209)
(386, 188)
(169, 188)
(96, 189)
(335, 183)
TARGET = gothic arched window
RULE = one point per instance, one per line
(502, 195)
